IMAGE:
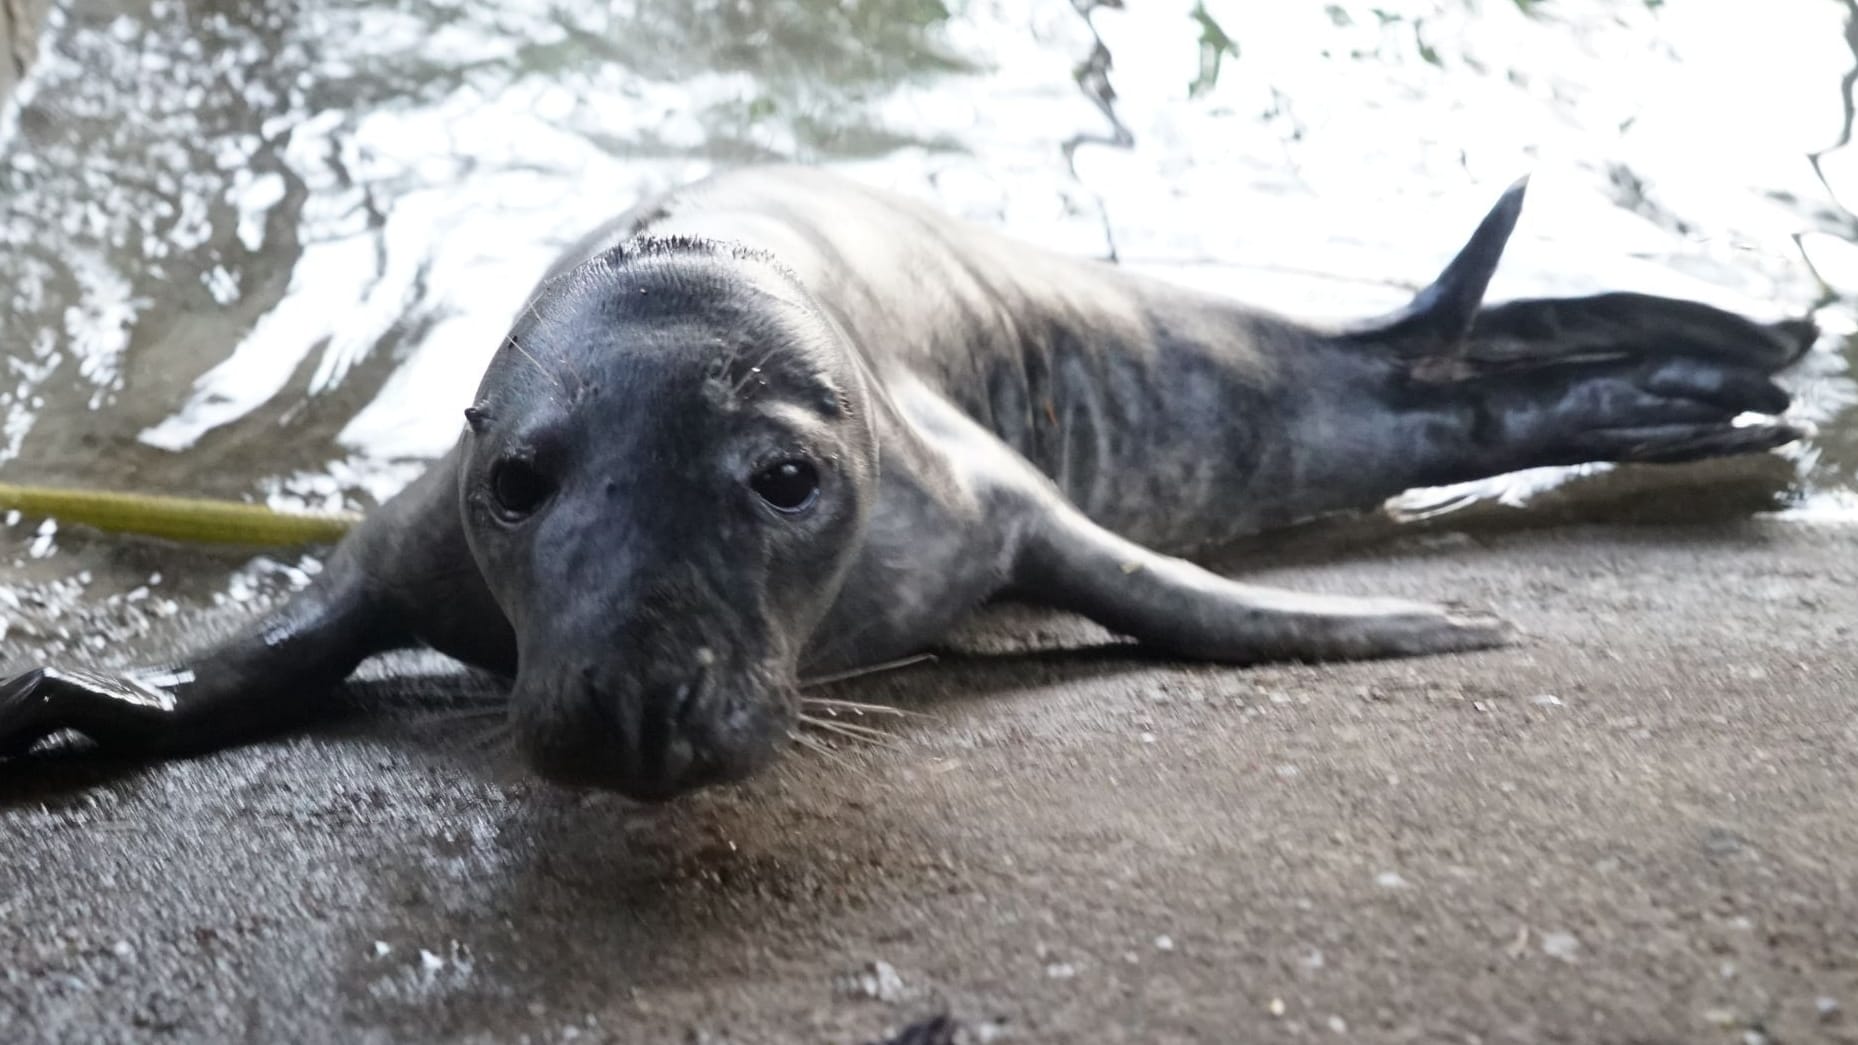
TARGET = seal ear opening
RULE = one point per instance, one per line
(1439, 318)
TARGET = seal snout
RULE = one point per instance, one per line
(652, 737)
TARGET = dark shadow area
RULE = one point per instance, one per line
(58, 775)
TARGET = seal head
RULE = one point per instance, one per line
(666, 475)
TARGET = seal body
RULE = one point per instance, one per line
(776, 424)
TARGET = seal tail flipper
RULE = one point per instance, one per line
(1480, 390)
(1613, 378)
(1447, 322)
(1439, 319)
(1520, 334)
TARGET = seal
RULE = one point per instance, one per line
(776, 424)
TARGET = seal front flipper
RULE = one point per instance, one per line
(404, 574)
(1066, 561)
(274, 675)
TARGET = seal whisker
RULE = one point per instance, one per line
(835, 725)
(814, 745)
(567, 360)
(852, 731)
(526, 354)
(860, 672)
(534, 313)
(749, 374)
(853, 707)
(840, 642)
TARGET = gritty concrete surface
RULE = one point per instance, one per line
(1638, 825)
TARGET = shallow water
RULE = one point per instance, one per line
(263, 249)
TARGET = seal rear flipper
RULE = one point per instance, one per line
(1622, 325)
(1448, 323)
(1473, 391)
(1068, 562)
(1613, 378)
(1439, 319)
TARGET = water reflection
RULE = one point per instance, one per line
(265, 247)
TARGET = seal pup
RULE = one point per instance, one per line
(775, 424)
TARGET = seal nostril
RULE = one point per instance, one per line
(657, 731)
(626, 734)
(679, 757)
(690, 695)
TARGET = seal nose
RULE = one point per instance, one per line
(663, 753)
(651, 738)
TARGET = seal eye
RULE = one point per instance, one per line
(789, 486)
(518, 488)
